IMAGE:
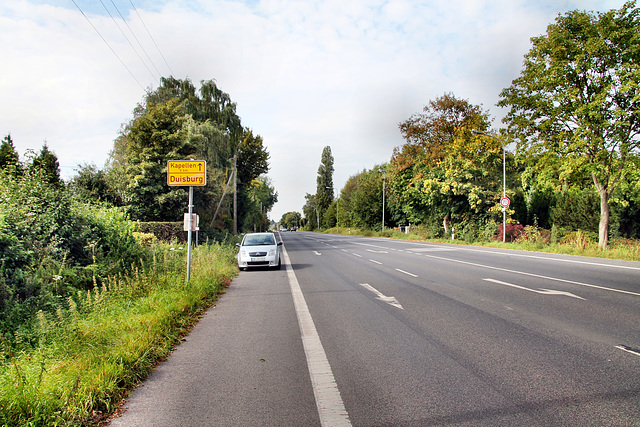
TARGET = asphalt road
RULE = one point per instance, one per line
(376, 332)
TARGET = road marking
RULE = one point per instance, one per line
(628, 349)
(344, 250)
(546, 258)
(377, 252)
(359, 256)
(325, 389)
(317, 253)
(380, 296)
(533, 275)
(376, 262)
(538, 291)
(406, 272)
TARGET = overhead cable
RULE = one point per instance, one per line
(135, 37)
(129, 41)
(152, 39)
(109, 46)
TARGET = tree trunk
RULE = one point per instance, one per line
(446, 224)
(603, 229)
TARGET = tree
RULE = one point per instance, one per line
(310, 210)
(290, 220)
(8, 154)
(578, 97)
(443, 173)
(366, 200)
(90, 185)
(46, 162)
(324, 189)
(141, 158)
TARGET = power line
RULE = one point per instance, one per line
(109, 46)
(152, 39)
(129, 41)
(135, 37)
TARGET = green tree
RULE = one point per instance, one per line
(90, 184)
(578, 97)
(46, 162)
(290, 219)
(141, 158)
(366, 200)
(324, 189)
(444, 174)
(311, 213)
(8, 154)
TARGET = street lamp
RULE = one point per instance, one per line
(504, 181)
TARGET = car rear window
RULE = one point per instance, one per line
(259, 240)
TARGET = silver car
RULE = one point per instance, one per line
(259, 250)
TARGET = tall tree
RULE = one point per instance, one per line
(46, 162)
(443, 173)
(324, 189)
(578, 97)
(8, 154)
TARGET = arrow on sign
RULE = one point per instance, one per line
(380, 296)
(538, 291)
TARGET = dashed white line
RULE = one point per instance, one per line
(406, 272)
(359, 256)
(375, 262)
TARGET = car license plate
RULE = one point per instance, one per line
(257, 259)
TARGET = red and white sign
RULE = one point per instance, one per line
(505, 202)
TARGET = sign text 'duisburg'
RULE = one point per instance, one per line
(187, 172)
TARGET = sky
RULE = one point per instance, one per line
(305, 74)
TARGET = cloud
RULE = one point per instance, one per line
(303, 74)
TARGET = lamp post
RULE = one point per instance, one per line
(504, 180)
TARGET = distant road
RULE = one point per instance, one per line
(372, 332)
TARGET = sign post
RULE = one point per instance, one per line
(187, 173)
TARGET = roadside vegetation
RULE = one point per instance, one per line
(568, 158)
(93, 289)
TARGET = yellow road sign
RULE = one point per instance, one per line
(187, 172)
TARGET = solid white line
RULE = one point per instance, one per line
(325, 389)
(628, 350)
(533, 275)
(406, 272)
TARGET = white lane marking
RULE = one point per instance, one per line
(377, 252)
(628, 349)
(375, 262)
(359, 256)
(406, 272)
(325, 389)
(344, 250)
(538, 291)
(533, 275)
(317, 253)
(380, 296)
(545, 258)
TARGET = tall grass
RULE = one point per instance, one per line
(92, 351)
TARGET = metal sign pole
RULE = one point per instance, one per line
(190, 227)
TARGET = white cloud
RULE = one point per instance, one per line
(304, 74)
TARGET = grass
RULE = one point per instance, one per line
(576, 243)
(93, 352)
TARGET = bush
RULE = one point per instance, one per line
(52, 246)
(165, 231)
(513, 232)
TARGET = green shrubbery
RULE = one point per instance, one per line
(51, 246)
(101, 342)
